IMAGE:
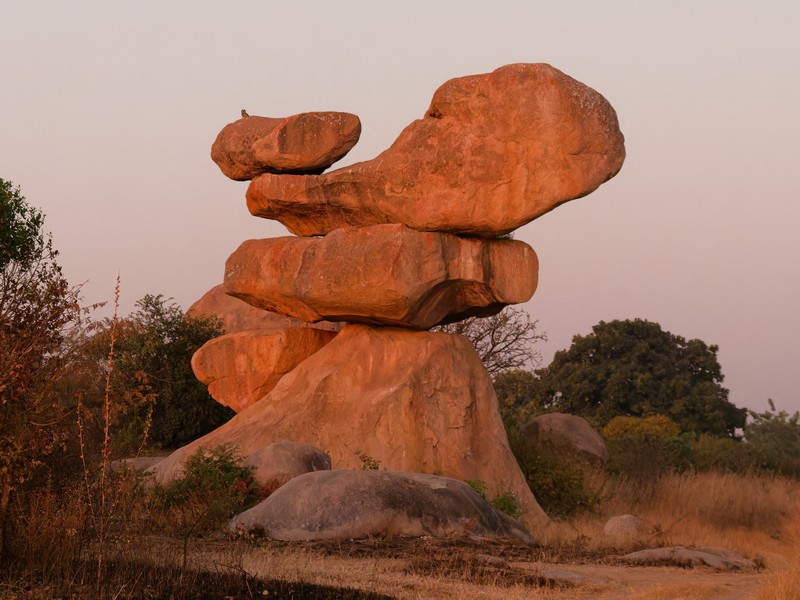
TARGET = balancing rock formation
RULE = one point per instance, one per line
(492, 153)
(410, 241)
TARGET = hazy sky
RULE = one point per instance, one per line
(108, 111)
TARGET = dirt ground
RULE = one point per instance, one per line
(463, 568)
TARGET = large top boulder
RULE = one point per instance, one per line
(492, 153)
(565, 432)
(304, 143)
(383, 274)
(344, 505)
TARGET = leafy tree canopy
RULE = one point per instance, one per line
(634, 368)
(37, 306)
(154, 388)
(21, 236)
(774, 440)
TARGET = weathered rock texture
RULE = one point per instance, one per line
(357, 504)
(282, 461)
(304, 143)
(237, 315)
(384, 274)
(566, 433)
(414, 401)
(492, 153)
(623, 527)
(240, 368)
(410, 241)
(259, 347)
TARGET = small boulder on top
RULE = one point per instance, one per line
(304, 143)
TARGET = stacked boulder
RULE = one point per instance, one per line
(391, 247)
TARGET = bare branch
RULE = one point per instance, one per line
(503, 341)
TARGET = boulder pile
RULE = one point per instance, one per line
(391, 247)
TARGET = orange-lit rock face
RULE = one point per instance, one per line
(237, 315)
(240, 368)
(492, 153)
(414, 401)
(304, 143)
(383, 274)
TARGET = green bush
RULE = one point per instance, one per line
(721, 455)
(558, 482)
(506, 502)
(773, 438)
(646, 448)
(214, 487)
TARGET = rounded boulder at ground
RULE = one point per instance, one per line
(331, 505)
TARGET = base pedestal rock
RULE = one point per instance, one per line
(414, 401)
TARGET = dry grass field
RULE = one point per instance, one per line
(755, 516)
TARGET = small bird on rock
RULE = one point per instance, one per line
(244, 113)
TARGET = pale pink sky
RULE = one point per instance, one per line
(108, 111)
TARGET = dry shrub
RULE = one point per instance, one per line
(47, 533)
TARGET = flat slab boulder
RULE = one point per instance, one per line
(240, 368)
(409, 400)
(383, 274)
(304, 143)
(492, 153)
(339, 505)
(283, 461)
(720, 559)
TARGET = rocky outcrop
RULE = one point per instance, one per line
(492, 153)
(282, 461)
(346, 505)
(566, 434)
(240, 368)
(411, 401)
(384, 274)
(410, 241)
(304, 143)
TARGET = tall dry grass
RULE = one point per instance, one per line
(784, 583)
(750, 514)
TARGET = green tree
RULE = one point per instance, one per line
(773, 438)
(633, 368)
(154, 388)
(646, 448)
(515, 388)
(37, 308)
